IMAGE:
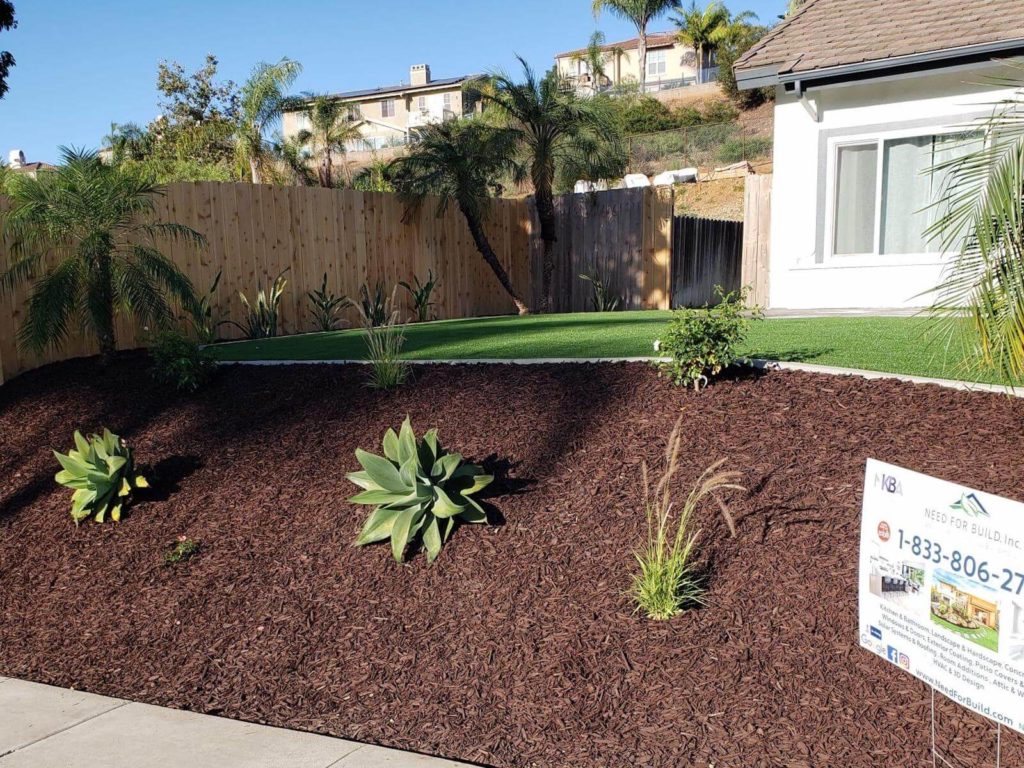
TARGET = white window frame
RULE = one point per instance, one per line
(661, 62)
(446, 101)
(384, 108)
(875, 258)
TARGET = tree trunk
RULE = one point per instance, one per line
(254, 169)
(484, 246)
(549, 236)
(325, 171)
(103, 319)
(642, 51)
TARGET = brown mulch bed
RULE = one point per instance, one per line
(519, 647)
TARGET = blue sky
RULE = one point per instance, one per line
(82, 65)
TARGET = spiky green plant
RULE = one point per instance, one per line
(420, 295)
(420, 491)
(324, 307)
(667, 581)
(602, 297)
(101, 471)
(373, 307)
(261, 314)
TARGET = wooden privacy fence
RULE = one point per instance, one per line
(623, 236)
(705, 253)
(254, 232)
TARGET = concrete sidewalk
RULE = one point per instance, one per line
(46, 727)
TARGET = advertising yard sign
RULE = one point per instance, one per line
(942, 587)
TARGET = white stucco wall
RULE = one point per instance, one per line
(803, 272)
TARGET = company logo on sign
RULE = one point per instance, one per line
(904, 661)
(893, 655)
(970, 504)
(889, 484)
(876, 633)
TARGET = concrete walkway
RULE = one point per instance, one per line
(46, 727)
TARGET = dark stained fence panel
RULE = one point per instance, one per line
(705, 253)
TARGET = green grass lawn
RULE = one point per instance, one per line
(893, 344)
(983, 636)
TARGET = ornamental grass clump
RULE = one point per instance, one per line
(420, 491)
(384, 341)
(102, 473)
(668, 581)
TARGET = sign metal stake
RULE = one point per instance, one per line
(936, 757)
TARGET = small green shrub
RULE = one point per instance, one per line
(325, 307)
(261, 315)
(420, 491)
(179, 362)
(667, 581)
(102, 473)
(702, 342)
(421, 295)
(374, 306)
(602, 298)
(183, 549)
(744, 148)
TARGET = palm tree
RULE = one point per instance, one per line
(263, 99)
(461, 161)
(704, 29)
(641, 13)
(979, 216)
(97, 220)
(595, 56)
(331, 127)
(375, 177)
(552, 129)
(292, 160)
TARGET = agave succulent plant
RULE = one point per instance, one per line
(420, 491)
(102, 473)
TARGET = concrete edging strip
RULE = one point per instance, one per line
(765, 365)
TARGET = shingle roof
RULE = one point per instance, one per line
(832, 33)
(654, 40)
(404, 87)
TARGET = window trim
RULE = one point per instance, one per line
(384, 111)
(662, 61)
(878, 138)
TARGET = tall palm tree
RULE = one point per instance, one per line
(331, 127)
(979, 217)
(552, 129)
(98, 222)
(595, 57)
(641, 13)
(263, 99)
(703, 29)
(461, 161)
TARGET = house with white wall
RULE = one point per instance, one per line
(870, 96)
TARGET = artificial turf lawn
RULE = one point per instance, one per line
(986, 637)
(893, 344)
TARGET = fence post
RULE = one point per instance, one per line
(757, 216)
(657, 237)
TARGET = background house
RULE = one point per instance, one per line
(387, 114)
(670, 64)
(869, 97)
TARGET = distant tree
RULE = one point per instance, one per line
(378, 176)
(743, 37)
(293, 161)
(263, 100)
(98, 220)
(641, 13)
(552, 129)
(196, 97)
(462, 162)
(595, 58)
(7, 22)
(128, 141)
(331, 127)
(703, 29)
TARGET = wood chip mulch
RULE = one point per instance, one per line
(520, 646)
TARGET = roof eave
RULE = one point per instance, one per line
(769, 75)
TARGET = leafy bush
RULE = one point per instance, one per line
(667, 581)
(261, 315)
(102, 473)
(183, 549)
(602, 298)
(324, 306)
(420, 491)
(179, 362)
(421, 295)
(373, 307)
(702, 342)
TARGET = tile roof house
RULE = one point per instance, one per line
(870, 95)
